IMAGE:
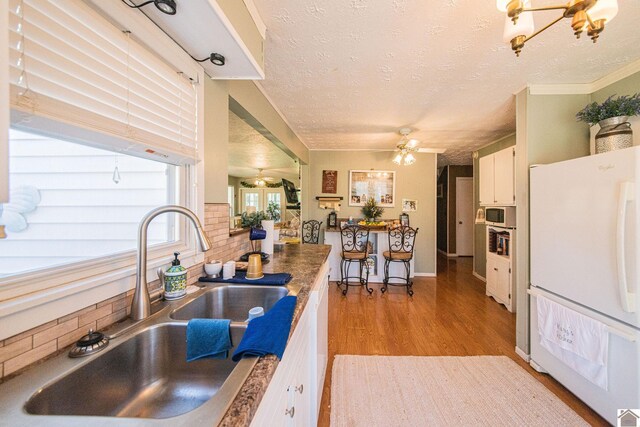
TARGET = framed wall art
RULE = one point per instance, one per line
(409, 205)
(363, 184)
(329, 182)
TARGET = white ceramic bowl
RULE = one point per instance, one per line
(213, 268)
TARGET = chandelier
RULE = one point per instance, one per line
(405, 149)
(586, 15)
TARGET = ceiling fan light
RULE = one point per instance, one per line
(603, 10)
(502, 5)
(409, 159)
(522, 27)
(398, 159)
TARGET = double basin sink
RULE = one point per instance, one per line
(144, 373)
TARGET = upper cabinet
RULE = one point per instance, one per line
(497, 178)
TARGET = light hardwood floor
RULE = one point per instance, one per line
(448, 316)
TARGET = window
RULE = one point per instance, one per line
(72, 203)
(251, 199)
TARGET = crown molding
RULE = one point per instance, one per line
(585, 88)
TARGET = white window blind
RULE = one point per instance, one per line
(74, 72)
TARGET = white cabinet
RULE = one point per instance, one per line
(497, 178)
(501, 265)
(294, 393)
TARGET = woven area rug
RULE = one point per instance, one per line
(437, 391)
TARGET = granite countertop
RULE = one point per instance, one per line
(303, 262)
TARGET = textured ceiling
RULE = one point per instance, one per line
(249, 151)
(350, 73)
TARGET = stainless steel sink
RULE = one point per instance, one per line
(146, 376)
(230, 302)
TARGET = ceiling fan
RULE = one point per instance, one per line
(405, 149)
(261, 180)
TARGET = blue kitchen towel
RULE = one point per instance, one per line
(279, 279)
(208, 338)
(268, 334)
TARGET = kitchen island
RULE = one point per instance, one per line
(379, 243)
(117, 393)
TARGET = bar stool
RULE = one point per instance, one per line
(311, 231)
(401, 242)
(355, 248)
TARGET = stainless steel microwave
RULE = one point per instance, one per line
(500, 216)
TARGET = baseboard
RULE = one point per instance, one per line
(477, 276)
(424, 274)
(447, 254)
(522, 354)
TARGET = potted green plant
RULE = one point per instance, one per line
(273, 211)
(253, 219)
(612, 115)
(371, 210)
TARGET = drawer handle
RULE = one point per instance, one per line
(300, 389)
(495, 269)
(291, 412)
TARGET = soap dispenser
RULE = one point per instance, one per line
(175, 280)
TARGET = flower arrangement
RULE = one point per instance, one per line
(372, 210)
(626, 105)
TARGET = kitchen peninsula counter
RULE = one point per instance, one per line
(304, 262)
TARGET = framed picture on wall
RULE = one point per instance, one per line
(329, 182)
(363, 185)
(409, 205)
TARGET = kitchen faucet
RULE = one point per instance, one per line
(141, 304)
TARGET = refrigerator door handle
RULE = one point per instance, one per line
(626, 196)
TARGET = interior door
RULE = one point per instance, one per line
(464, 216)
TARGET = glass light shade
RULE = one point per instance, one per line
(522, 27)
(409, 159)
(397, 159)
(412, 143)
(502, 5)
(603, 9)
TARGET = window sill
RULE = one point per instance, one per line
(25, 310)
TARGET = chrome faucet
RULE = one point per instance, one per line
(141, 304)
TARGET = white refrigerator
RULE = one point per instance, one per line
(585, 254)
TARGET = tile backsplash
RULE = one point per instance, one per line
(28, 347)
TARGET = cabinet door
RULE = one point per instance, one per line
(492, 275)
(486, 180)
(503, 281)
(503, 177)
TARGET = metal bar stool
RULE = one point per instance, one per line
(401, 242)
(355, 248)
(311, 231)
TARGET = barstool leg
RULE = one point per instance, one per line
(366, 282)
(407, 267)
(385, 281)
